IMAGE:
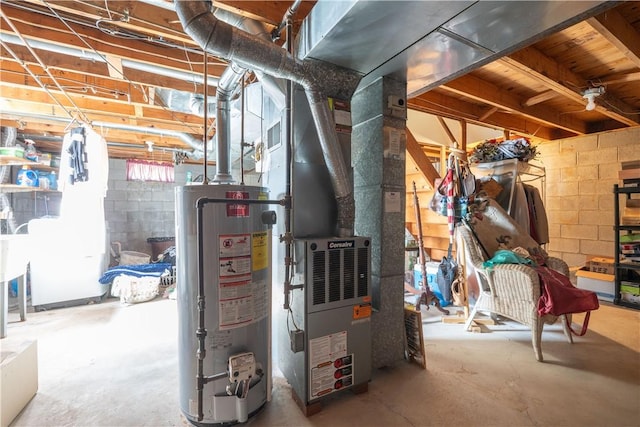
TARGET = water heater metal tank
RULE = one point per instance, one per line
(235, 263)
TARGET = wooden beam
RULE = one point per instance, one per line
(541, 97)
(452, 139)
(126, 14)
(439, 104)
(463, 143)
(50, 30)
(422, 162)
(621, 78)
(266, 11)
(80, 70)
(486, 92)
(489, 112)
(558, 78)
(619, 32)
(39, 100)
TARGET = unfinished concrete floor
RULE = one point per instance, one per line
(114, 365)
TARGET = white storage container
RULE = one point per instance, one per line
(602, 284)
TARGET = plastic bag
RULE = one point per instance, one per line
(503, 256)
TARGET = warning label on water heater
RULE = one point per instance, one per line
(242, 300)
(237, 210)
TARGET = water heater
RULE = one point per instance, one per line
(224, 250)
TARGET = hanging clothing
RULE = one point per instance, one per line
(520, 207)
(84, 174)
(77, 156)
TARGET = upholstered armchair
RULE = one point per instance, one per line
(509, 290)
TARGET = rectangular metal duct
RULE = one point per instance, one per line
(426, 43)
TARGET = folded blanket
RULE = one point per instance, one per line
(139, 270)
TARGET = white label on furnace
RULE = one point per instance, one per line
(328, 348)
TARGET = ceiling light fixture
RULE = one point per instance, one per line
(590, 95)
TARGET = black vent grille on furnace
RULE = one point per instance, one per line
(363, 273)
(334, 275)
(349, 273)
(319, 278)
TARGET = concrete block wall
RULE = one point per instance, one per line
(137, 210)
(581, 172)
(30, 205)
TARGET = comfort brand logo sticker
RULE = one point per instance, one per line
(341, 244)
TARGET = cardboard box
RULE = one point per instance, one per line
(19, 371)
(601, 265)
(629, 174)
(602, 284)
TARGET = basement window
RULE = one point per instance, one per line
(145, 170)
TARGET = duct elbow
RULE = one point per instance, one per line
(196, 105)
(199, 23)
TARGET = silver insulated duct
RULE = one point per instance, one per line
(319, 80)
(227, 87)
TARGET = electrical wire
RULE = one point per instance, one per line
(106, 6)
(117, 32)
(44, 67)
(104, 58)
(134, 85)
(619, 110)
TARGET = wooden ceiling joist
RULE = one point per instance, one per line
(539, 98)
(562, 80)
(437, 103)
(452, 139)
(619, 32)
(52, 31)
(483, 91)
(420, 159)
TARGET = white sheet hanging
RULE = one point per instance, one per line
(82, 204)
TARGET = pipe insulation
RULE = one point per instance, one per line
(319, 80)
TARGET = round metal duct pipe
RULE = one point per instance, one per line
(317, 78)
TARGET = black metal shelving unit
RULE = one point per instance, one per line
(624, 271)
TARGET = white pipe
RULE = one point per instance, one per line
(183, 136)
(90, 55)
